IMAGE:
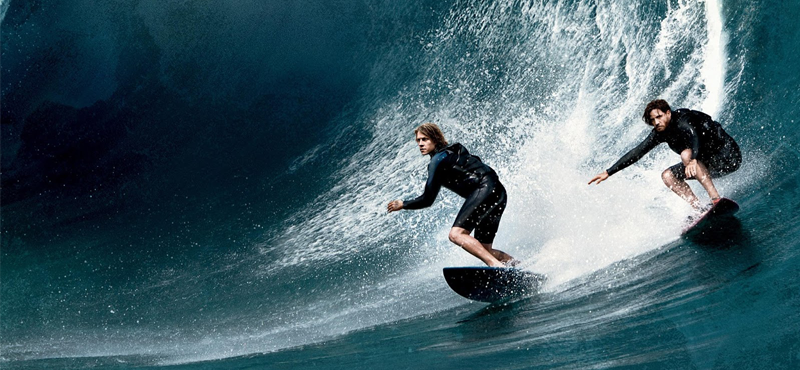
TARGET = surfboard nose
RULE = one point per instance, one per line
(491, 284)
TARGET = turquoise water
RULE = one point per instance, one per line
(202, 185)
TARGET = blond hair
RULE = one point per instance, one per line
(433, 132)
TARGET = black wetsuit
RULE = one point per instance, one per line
(690, 129)
(454, 168)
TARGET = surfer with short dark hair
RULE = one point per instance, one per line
(454, 168)
(706, 150)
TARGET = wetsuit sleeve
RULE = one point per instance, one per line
(635, 154)
(432, 186)
(694, 138)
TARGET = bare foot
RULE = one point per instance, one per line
(512, 262)
(498, 264)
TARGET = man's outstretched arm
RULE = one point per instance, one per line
(628, 159)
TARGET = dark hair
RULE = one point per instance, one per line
(433, 132)
(659, 104)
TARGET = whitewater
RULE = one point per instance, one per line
(203, 185)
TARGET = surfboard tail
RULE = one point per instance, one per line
(492, 284)
(722, 210)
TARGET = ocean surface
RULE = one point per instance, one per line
(202, 184)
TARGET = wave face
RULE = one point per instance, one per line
(204, 180)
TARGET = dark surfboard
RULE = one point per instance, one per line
(492, 284)
(715, 218)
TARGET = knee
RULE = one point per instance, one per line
(455, 235)
(668, 177)
(686, 156)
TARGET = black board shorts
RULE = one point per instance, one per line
(726, 160)
(483, 209)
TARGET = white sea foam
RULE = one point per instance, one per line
(545, 146)
(548, 103)
(714, 62)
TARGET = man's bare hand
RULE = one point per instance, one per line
(599, 178)
(691, 169)
(394, 205)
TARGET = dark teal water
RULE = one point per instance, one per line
(202, 185)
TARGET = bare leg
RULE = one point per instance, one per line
(461, 237)
(704, 178)
(500, 255)
(681, 188)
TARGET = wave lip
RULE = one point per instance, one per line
(276, 251)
